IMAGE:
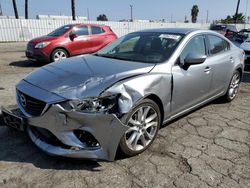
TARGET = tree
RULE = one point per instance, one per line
(26, 9)
(194, 13)
(102, 17)
(231, 19)
(15, 9)
(73, 9)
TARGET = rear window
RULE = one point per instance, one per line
(96, 30)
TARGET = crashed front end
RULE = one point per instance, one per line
(68, 128)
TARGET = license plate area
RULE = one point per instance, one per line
(13, 120)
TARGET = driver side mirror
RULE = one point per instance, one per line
(194, 59)
(72, 36)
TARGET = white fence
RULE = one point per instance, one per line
(23, 30)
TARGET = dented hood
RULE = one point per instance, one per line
(84, 76)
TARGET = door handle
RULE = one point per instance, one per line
(207, 69)
(231, 59)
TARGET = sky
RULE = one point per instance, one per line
(120, 9)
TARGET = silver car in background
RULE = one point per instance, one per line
(91, 105)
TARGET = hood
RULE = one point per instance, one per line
(245, 46)
(84, 76)
(43, 39)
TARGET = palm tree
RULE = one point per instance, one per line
(26, 9)
(15, 9)
(194, 13)
(73, 9)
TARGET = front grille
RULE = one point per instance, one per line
(31, 105)
(30, 46)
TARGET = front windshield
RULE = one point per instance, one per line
(148, 47)
(60, 31)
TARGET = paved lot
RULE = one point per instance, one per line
(207, 148)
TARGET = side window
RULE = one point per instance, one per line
(195, 45)
(80, 31)
(96, 30)
(217, 44)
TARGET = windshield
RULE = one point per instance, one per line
(60, 30)
(219, 27)
(148, 47)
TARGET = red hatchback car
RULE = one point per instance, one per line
(69, 40)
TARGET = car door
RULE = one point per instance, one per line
(98, 38)
(81, 43)
(221, 61)
(190, 84)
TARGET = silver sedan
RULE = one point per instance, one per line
(91, 105)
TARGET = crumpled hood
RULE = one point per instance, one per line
(84, 76)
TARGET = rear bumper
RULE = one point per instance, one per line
(105, 128)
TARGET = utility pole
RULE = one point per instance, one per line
(88, 14)
(236, 13)
(207, 17)
(1, 11)
(73, 9)
(131, 13)
(15, 9)
(26, 10)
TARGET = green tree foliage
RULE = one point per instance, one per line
(102, 17)
(231, 19)
(194, 13)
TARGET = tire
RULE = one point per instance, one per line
(233, 87)
(141, 134)
(59, 54)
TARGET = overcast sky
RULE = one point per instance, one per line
(142, 9)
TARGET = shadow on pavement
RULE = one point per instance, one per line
(26, 63)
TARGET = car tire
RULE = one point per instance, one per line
(144, 121)
(233, 87)
(59, 54)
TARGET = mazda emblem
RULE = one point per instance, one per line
(23, 100)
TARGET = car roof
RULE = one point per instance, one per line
(87, 24)
(184, 31)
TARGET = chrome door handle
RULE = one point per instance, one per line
(231, 59)
(207, 69)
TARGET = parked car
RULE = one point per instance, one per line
(223, 28)
(242, 40)
(88, 106)
(69, 40)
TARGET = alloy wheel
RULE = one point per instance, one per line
(143, 125)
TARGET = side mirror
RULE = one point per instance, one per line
(194, 59)
(72, 36)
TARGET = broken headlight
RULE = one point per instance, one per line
(92, 105)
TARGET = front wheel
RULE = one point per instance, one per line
(58, 54)
(143, 121)
(233, 87)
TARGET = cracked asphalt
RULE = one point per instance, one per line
(209, 147)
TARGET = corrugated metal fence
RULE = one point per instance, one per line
(23, 30)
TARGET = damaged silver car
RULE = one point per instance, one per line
(91, 105)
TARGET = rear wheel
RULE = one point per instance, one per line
(233, 87)
(58, 54)
(144, 121)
